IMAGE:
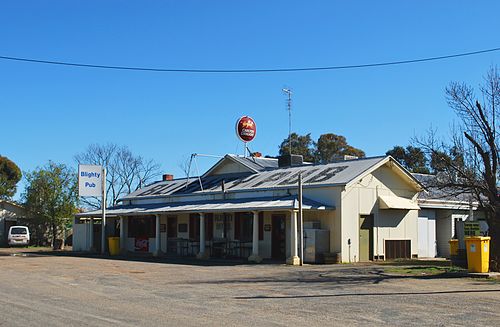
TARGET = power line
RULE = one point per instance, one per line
(272, 70)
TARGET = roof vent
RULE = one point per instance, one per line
(290, 160)
(337, 158)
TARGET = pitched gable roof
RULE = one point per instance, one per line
(333, 174)
(249, 164)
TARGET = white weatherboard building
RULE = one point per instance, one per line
(248, 207)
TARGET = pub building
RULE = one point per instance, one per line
(248, 207)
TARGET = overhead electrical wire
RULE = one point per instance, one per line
(271, 70)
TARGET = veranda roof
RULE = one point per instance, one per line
(396, 202)
(239, 205)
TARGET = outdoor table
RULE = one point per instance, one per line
(194, 247)
(240, 248)
(219, 247)
(245, 249)
(177, 246)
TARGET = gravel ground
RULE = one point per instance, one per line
(62, 290)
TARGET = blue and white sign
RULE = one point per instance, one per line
(89, 180)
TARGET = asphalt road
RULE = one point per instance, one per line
(75, 291)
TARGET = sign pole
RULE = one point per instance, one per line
(301, 220)
(103, 207)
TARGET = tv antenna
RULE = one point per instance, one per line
(288, 92)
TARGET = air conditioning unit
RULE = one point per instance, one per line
(312, 225)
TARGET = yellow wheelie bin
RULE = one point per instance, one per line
(114, 245)
(478, 253)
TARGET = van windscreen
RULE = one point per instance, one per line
(19, 230)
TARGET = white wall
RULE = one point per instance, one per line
(362, 199)
(81, 237)
(228, 167)
(265, 244)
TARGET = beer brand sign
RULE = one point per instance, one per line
(246, 129)
(141, 244)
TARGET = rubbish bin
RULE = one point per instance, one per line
(453, 247)
(478, 253)
(114, 245)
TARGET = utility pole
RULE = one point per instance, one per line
(288, 92)
(301, 221)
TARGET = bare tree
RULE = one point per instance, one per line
(474, 144)
(125, 172)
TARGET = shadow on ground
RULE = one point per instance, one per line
(264, 297)
(191, 261)
(339, 277)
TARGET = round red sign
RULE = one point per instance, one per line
(246, 129)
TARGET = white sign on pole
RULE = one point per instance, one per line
(90, 180)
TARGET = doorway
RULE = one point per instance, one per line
(365, 238)
(171, 234)
(171, 226)
(278, 237)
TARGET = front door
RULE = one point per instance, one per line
(365, 238)
(171, 227)
(278, 238)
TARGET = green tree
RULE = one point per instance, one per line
(416, 160)
(10, 175)
(324, 150)
(412, 158)
(443, 161)
(301, 144)
(332, 145)
(51, 196)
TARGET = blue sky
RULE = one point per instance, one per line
(54, 112)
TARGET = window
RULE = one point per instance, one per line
(19, 230)
(243, 226)
(194, 226)
(142, 227)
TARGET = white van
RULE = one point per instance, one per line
(19, 235)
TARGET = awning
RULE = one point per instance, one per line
(239, 205)
(396, 202)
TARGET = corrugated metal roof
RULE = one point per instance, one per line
(338, 173)
(435, 191)
(240, 205)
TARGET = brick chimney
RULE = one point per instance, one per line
(257, 154)
(168, 177)
(290, 160)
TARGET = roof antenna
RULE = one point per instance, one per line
(288, 92)
(193, 157)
